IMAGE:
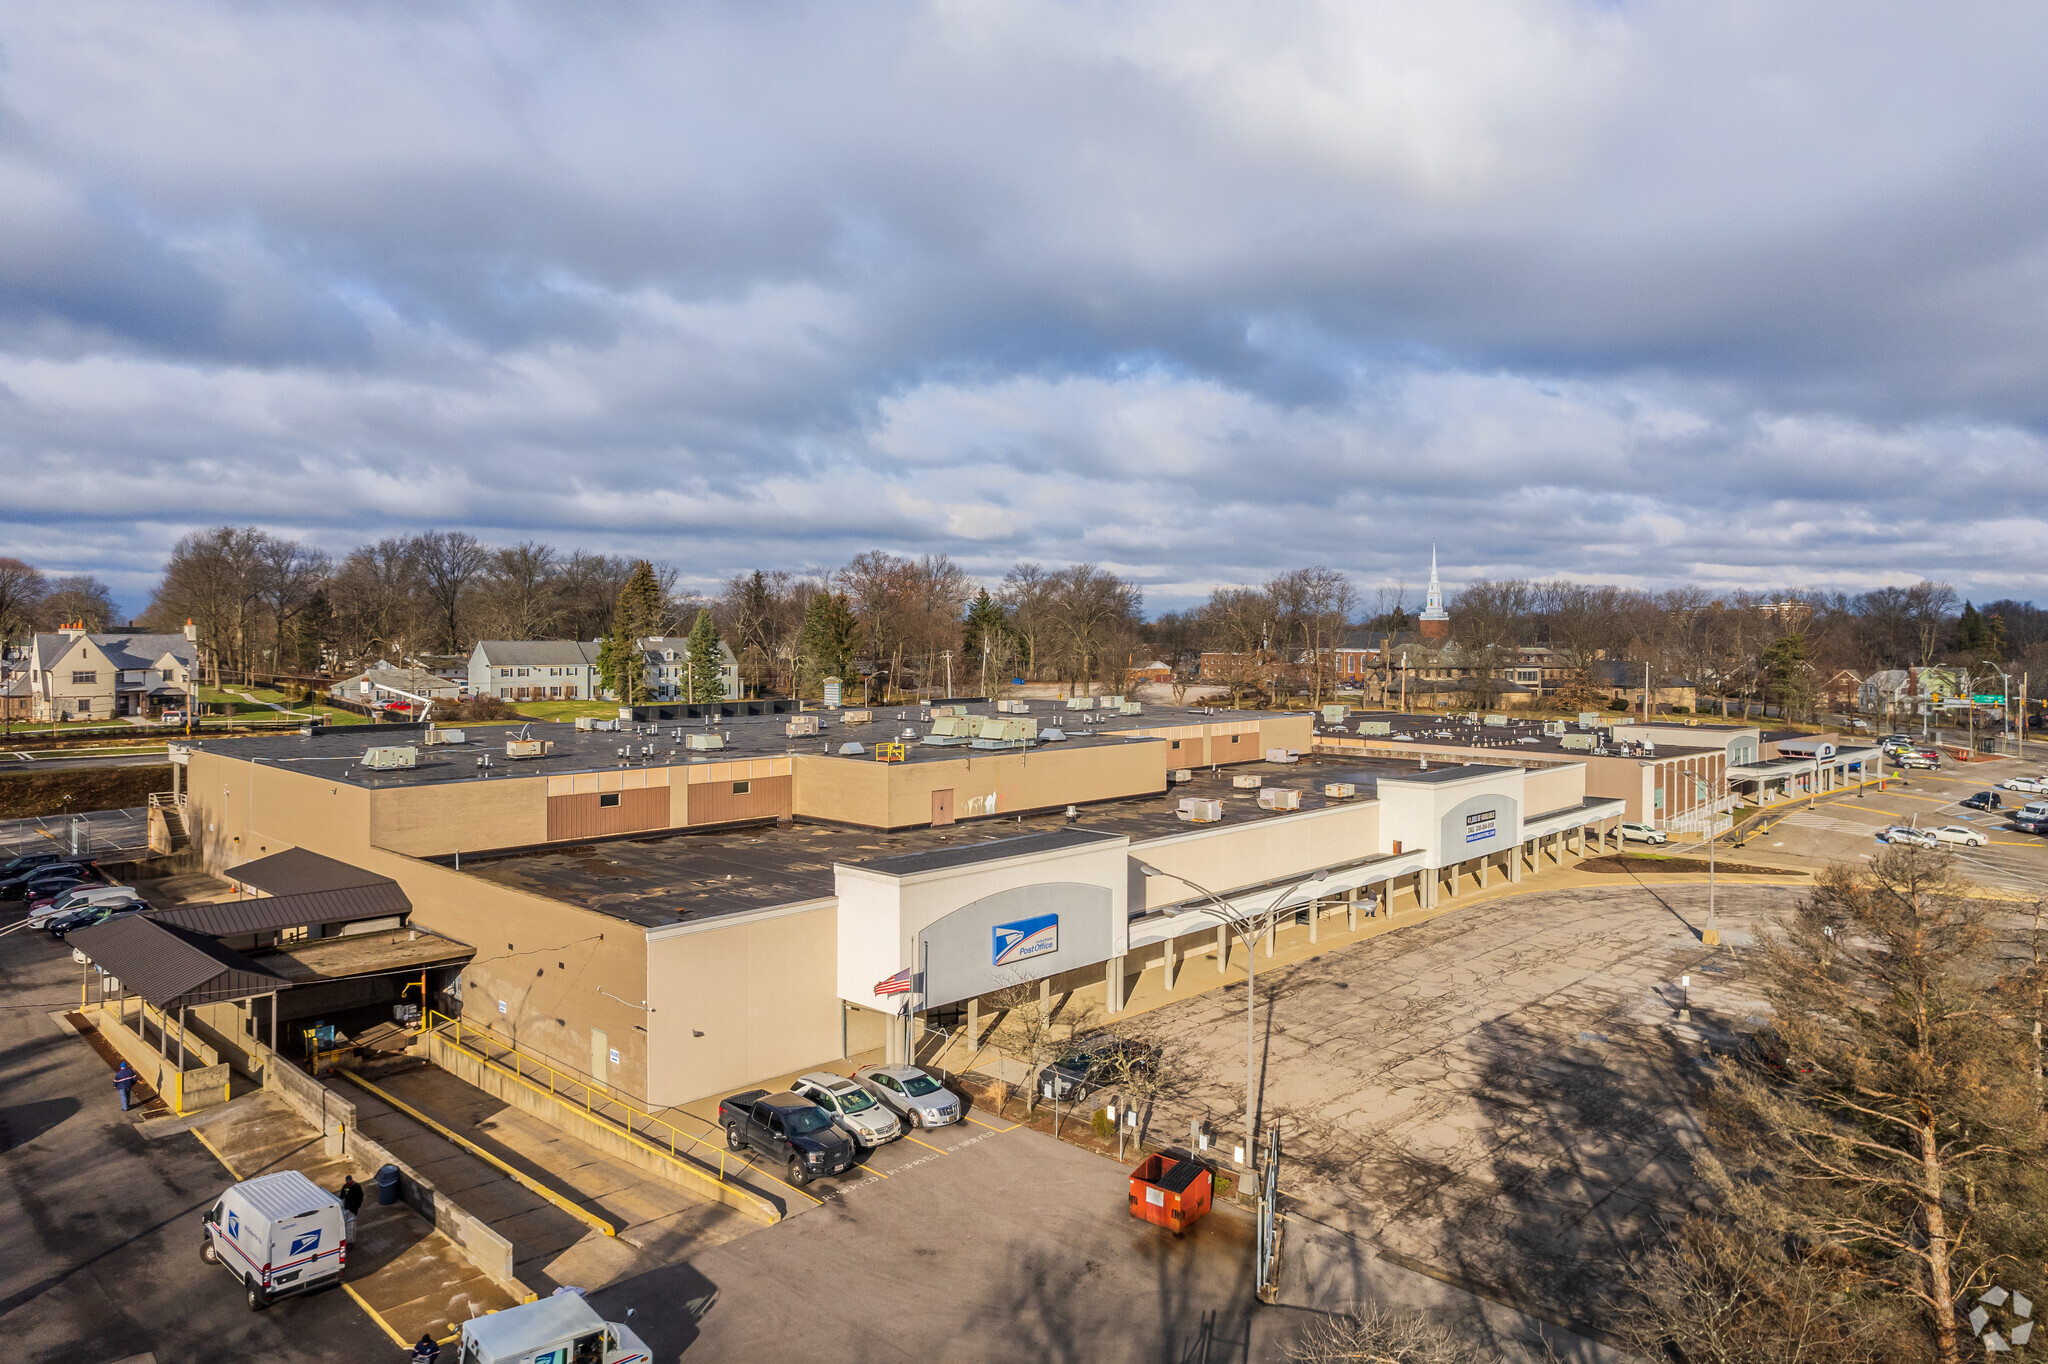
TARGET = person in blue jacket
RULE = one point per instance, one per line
(124, 1080)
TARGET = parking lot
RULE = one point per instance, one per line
(1500, 1096)
(1843, 829)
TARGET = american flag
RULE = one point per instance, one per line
(898, 984)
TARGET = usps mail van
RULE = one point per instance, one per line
(279, 1234)
(563, 1329)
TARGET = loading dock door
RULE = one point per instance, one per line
(942, 809)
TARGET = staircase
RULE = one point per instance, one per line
(167, 823)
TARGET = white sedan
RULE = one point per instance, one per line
(1643, 833)
(2034, 785)
(1957, 833)
(1916, 838)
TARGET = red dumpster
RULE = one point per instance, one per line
(1170, 1193)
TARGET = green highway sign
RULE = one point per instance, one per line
(1989, 700)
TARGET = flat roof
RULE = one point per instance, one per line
(660, 879)
(1516, 737)
(335, 754)
(995, 850)
(361, 954)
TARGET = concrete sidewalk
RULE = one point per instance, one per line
(411, 1277)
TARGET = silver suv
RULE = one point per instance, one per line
(854, 1111)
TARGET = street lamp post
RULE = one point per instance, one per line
(1249, 928)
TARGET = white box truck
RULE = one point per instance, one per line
(563, 1329)
(279, 1234)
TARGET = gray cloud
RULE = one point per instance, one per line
(1651, 292)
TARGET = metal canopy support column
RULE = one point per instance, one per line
(1351, 910)
(1166, 964)
(1315, 920)
(1222, 948)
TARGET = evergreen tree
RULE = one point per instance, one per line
(621, 667)
(829, 640)
(985, 626)
(703, 678)
(1786, 680)
(1973, 636)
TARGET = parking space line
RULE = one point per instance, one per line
(232, 1171)
(991, 1126)
(927, 1145)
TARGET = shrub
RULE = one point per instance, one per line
(1621, 703)
(485, 708)
(1104, 1128)
(1681, 710)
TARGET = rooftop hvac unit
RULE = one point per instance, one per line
(1109, 702)
(1497, 721)
(1379, 727)
(1279, 798)
(528, 748)
(1554, 728)
(856, 717)
(992, 731)
(950, 729)
(1013, 708)
(1589, 719)
(1195, 810)
(1577, 742)
(1335, 715)
(1283, 755)
(801, 726)
(1181, 774)
(1247, 781)
(1080, 703)
(1130, 708)
(705, 741)
(851, 748)
(1051, 735)
(391, 757)
(1341, 790)
(446, 736)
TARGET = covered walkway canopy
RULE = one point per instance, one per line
(173, 968)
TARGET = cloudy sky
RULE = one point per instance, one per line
(1747, 294)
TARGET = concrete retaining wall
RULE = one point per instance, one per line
(195, 1088)
(594, 1132)
(335, 1117)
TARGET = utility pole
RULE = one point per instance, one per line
(949, 671)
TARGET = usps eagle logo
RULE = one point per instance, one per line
(1024, 939)
(306, 1244)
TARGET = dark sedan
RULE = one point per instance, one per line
(44, 881)
(1983, 800)
(94, 914)
(1092, 1064)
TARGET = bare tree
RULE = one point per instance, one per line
(448, 562)
(1384, 1335)
(520, 596)
(79, 597)
(22, 589)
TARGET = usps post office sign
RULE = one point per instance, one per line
(1023, 939)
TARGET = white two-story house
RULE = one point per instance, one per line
(534, 669)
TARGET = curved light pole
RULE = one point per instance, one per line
(1250, 928)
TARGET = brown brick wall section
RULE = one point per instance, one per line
(587, 816)
(715, 802)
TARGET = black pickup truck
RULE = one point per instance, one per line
(787, 1128)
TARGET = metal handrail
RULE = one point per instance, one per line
(522, 1059)
(167, 800)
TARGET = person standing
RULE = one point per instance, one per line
(351, 1195)
(124, 1080)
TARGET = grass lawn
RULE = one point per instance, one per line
(564, 711)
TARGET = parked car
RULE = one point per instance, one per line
(172, 717)
(91, 915)
(1092, 1065)
(1642, 833)
(1892, 743)
(912, 1095)
(1917, 757)
(279, 1234)
(1983, 800)
(2031, 818)
(77, 896)
(788, 1129)
(1914, 838)
(47, 883)
(1961, 833)
(2031, 785)
(853, 1110)
(27, 862)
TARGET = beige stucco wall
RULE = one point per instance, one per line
(546, 959)
(899, 795)
(433, 821)
(1546, 789)
(1224, 856)
(760, 991)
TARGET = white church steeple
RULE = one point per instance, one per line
(1436, 621)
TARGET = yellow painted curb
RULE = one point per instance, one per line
(396, 1339)
(216, 1153)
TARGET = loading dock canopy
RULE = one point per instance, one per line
(173, 968)
(299, 872)
(298, 889)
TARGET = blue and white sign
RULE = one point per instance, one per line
(234, 1225)
(1480, 826)
(1023, 939)
(307, 1244)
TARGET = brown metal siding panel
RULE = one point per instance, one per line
(714, 802)
(581, 816)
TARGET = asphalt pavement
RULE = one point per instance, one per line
(101, 1257)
